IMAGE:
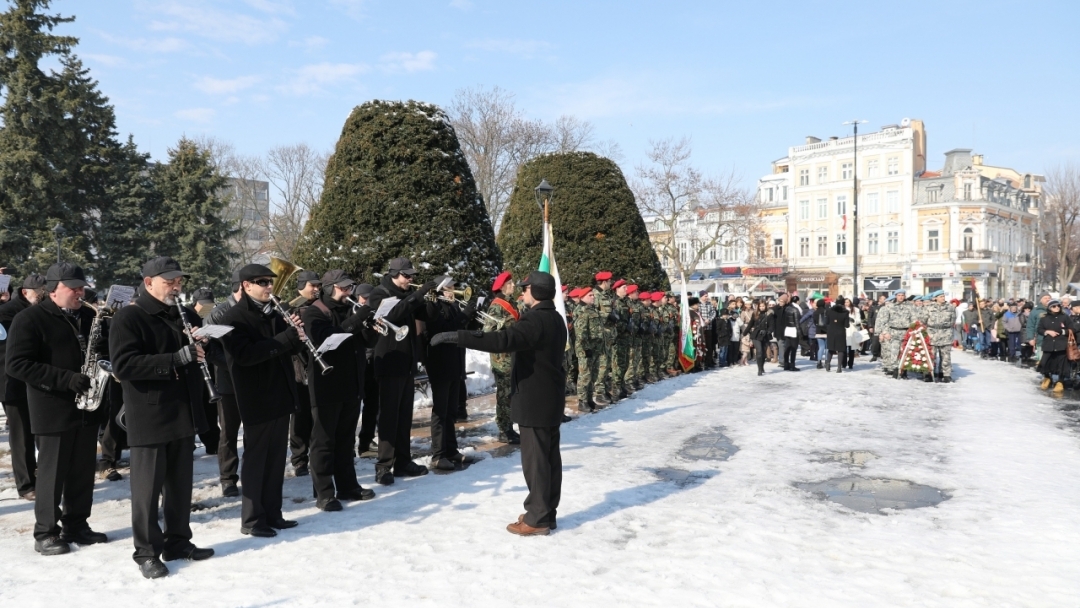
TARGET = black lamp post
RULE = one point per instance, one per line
(543, 194)
(855, 208)
(59, 232)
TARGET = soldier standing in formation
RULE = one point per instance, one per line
(939, 316)
(609, 318)
(590, 342)
(632, 379)
(893, 321)
(502, 314)
(621, 349)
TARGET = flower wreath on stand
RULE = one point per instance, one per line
(916, 354)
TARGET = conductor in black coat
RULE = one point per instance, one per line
(46, 350)
(163, 401)
(13, 393)
(258, 352)
(537, 395)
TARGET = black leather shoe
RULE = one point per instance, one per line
(512, 437)
(229, 490)
(301, 471)
(443, 464)
(191, 553)
(260, 531)
(410, 469)
(384, 477)
(329, 504)
(153, 568)
(84, 537)
(283, 524)
(360, 493)
(566, 418)
(52, 545)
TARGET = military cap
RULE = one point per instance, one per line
(633, 288)
(603, 275)
(657, 296)
(501, 280)
(619, 283)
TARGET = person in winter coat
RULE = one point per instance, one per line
(816, 329)
(1054, 365)
(13, 393)
(837, 320)
(1031, 329)
(762, 328)
(1013, 325)
(788, 330)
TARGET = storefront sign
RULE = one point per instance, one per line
(978, 274)
(763, 271)
(730, 271)
(881, 284)
(927, 275)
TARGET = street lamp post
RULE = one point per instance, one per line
(59, 232)
(855, 208)
(543, 196)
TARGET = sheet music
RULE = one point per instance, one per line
(333, 342)
(5, 280)
(212, 331)
(119, 296)
(386, 306)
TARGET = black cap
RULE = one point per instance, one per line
(164, 267)
(306, 276)
(401, 266)
(254, 271)
(202, 294)
(33, 281)
(542, 283)
(363, 290)
(337, 277)
(67, 273)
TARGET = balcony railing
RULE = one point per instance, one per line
(977, 254)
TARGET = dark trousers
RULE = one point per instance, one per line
(211, 437)
(299, 429)
(445, 393)
(164, 470)
(395, 422)
(463, 396)
(331, 453)
(263, 472)
(761, 348)
(541, 463)
(113, 438)
(21, 442)
(791, 350)
(875, 345)
(369, 420)
(227, 455)
(65, 473)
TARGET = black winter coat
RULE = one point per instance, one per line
(44, 351)
(222, 380)
(787, 316)
(838, 319)
(763, 327)
(17, 392)
(444, 360)
(258, 352)
(537, 375)
(1054, 322)
(346, 381)
(162, 403)
(393, 358)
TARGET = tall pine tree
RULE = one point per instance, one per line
(192, 227)
(130, 223)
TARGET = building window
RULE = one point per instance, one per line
(931, 195)
(804, 246)
(967, 191)
(783, 195)
(969, 239)
(822, 208)
(893, 166)
(804, 210)
(804, 177)
(893, 241)
(845, 171)
(933, 240)
(892, 201)
(822, 175)
(729, 252)
(872, 207)
(778, 248)
(712, 253)
(768, 195)
(682, 252)
(841, 205)
(872, 168)
(841, 244)
(823, 246)
(759, 246)
(872, 243)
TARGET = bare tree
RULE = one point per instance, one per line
(248, 206)
(570, 134)
(693, 213)
(1062, 212)
(296, 175)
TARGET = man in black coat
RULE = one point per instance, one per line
(335, 397)
(228, 415)
(163, 400)
(13, 394)
(46, 350)
(308, 285)
(446, 376)
(258, 352)
(537, 395)
(395, 366)
(787, 331)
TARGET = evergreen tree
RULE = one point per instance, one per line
(130, 223)
(399, 185)
(594, 220)
(192, 227)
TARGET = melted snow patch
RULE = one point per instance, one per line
(870, 495)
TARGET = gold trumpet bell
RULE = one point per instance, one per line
(284, 271)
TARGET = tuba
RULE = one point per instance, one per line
(98, 370)
(284, 271)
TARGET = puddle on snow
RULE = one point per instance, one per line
(869, 495)
(855, 458)
(682, 477)
(713, 445)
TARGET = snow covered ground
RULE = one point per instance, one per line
(743, 535)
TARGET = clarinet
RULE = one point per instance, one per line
(214, 396)
(315, 354)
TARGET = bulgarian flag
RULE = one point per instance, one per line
(547, 264)
(687, 355)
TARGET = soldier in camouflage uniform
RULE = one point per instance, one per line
(608, 317)
(632, 379)
(660, 338)
(504, 314)
(589, 342)
(620, 359)
(939, 316)
(893, 321)
(645, 337)
(671, 338)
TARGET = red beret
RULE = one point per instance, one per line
(619, 283)
(645, 295)
(572, 293)
(565, 287)
(631, 289)
(501, 280)
(656, 297)
(603, 275)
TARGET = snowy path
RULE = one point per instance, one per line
(744, 536)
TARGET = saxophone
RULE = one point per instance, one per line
(98, 370)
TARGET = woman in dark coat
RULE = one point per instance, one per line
(837, 318)
(762, 326)
(1053, 328)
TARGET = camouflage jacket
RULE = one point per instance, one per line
(501, 319)
(587, 327)
(622, 308)
(939, 320)
(605, 304)
(636, 317)
(895, 317)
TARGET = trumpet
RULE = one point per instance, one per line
(384, 327)
(326, 369)
(435, 295)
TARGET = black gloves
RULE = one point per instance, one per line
(362, 315)
(446, 337)
(425, 288)
(79, 383)
(613, 317)
(470, 311)
(184, 356)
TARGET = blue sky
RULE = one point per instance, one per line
(744, 80)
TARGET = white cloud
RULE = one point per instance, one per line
(316, 77)
(512, 46)
(311, 43)
(109, 60)
(408, 62)
(204, 20)
(196, 114)
(217, 86)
